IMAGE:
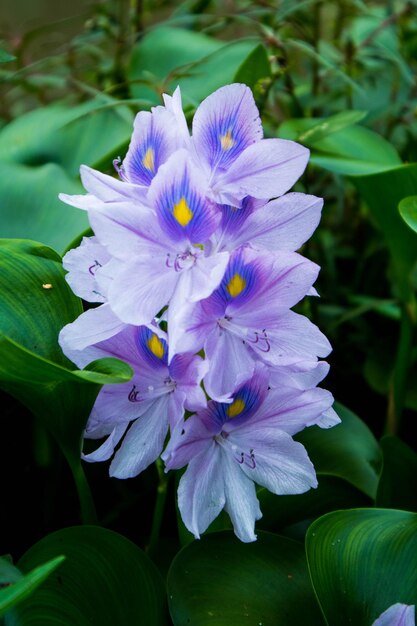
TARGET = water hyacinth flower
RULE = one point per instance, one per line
(248, 318)
(197, 231)
(397, 615)
(230, 447)
(139, 413)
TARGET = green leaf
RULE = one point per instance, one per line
(397, 487)
(219, 580)
(254, 68)
(167, 57)
(347, 451)
(5, 57)
(361, 562)
(408, 211)
(31, 207)
(332, 493)
(32, 366)
(382, 193)
(350, 150)
(8, 572)
(105, 580)
(332, 124)
(23, 586)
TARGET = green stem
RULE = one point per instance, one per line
(161, 496)
(87, 506)
(402, 364)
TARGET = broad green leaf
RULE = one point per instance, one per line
(219, 580)
(332, 124)
(8, 572)
(104, 580)
(332, 493)
(361, 562)
(382, 193)
(5, 57)
(36, 303)
(167, 57)
(408, 211)
(67, 135)
(23, 586)
(348, 451)
(397, 487)
(254, 68)
(351, 150)
(31, 209)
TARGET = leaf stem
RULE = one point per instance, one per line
(161, 496)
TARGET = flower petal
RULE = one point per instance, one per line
(241, 502)
(91, 327)
(143, 443)
(226, 123)
(273, 459)
(105, 451)
(201, 494)
(82, 264)
(267, 169)
(110, 189)
(397, 615)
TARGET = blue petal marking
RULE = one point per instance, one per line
(143, 338)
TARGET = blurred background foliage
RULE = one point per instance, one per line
(340, 78)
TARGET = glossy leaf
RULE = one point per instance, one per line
(23, 586)
(332, 493)
(40, 155)
(361, 562)
(254, 68)
(105, 580)
(408, 211)
(169, 56)
(397, 487)
(219, 580)
(32, 366)
(348, 451)
(343, 147)
(382, 193)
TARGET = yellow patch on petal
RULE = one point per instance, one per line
(236, 285)
(156, 346)
(182, 212)
(236, 408)
(227, 141)
(149, 160)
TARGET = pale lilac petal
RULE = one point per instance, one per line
(86, 202)
(188, 371)
(105, 451)
(178, 194)
(153, 140)
(397, 615)
(110, 189)
(267, 169)
(242, 505)
(226, 123)
(230, 364)
(328, 419)
(82, 264)
(275, 460)
(143, 442)
(141, 289)
(173, 104)
(187, 441)
(291, 410)
(91, 327)
(310, 374)
(201, 494)
(282, 224)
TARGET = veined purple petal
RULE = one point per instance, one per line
(188, 371)
(110, 189)
(82, 264)
(226, 123)
(91, 327)
(282, 224)
(397, 615)
(178, 195)
(173, 104)
(201, 494)
(154, 139)
(143, 442)
(242, 505)
(267, 169)
(105, 451)
(274, 459)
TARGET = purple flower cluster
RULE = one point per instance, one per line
(197, 237)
